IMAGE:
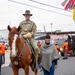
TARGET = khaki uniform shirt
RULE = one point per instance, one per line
(28, 26)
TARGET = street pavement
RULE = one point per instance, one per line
(65, 67)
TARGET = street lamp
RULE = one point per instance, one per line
(51, 28)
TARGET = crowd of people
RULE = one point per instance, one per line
(64, 51)
(49, 52)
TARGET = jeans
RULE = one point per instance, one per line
(0, 61)
(65, 55)
(51, 70)
(3, 58)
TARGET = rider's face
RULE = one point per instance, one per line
(27, 17)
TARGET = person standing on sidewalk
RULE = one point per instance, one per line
(57, 47)
(65, 49)
(0, 63)
(3, 48)
(49, 57)
(0, 58)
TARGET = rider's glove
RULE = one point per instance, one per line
(28, 35)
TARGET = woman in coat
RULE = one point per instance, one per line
(49, 57)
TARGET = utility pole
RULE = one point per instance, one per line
(51, 28)
(44, 29)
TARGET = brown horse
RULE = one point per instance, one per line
(20, 55)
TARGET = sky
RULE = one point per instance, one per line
(11, 14)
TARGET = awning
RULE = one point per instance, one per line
(56, 37)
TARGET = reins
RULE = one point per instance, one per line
(22, 51)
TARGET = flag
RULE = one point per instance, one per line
(69, 4)
(64, 2)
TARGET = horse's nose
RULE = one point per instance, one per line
(13, 54)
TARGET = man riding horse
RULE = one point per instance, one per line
(28, 29)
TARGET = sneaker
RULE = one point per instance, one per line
(63, 58)
(66, 57)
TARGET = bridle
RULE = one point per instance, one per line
(22, 51)
(15, 33)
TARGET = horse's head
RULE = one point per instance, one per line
(12, 36)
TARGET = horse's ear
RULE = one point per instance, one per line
(9, 28)
(18, 29)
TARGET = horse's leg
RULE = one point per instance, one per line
(26, 69)
(73, 51)
(32, 68)
(15, 70)
(35, 72)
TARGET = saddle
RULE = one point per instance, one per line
(29, 45)
(36, 64)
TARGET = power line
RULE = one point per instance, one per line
(39, 8)
(48, 5)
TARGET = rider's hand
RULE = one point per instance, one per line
(25, 36)
(29, 35)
